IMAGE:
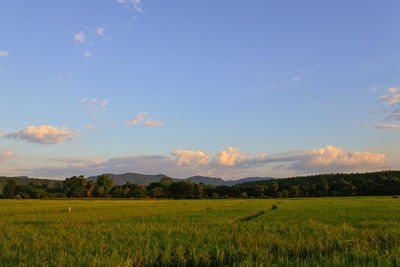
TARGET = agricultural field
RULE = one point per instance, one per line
(346, 231)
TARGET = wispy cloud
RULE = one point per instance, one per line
(392, 97)
(153, 124)
(87, 54)
(135, 4)
(77, 160)
(100, 31)
(387, 126)
(80, 37)
(89, 126)
(94, 105)
(394, 116)
(5, 155)
(139, 119)
(3, 53)
(44, 134)
(298, 77)
(104, 104)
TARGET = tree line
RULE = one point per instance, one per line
(355, 184)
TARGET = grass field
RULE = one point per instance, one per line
(356, 231)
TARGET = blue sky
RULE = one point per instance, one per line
(220, 88)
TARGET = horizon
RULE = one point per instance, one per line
(216, 89)
(191, 176)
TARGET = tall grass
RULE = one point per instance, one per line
(361, 231)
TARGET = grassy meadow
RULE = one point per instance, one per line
(351, 231)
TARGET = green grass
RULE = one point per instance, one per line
(357, 231)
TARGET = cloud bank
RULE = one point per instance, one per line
(44, 134)
(227, 163)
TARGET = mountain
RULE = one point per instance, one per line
(248, 179)
(143, 179)
(205, 180)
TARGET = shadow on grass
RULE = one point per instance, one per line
(251, 217)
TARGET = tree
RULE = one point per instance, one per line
(75, 186)
(244, 195)
(9, 189)
(325, 185)
(137, 191)
(285, 193)
(180, 190)
(157, 192)
(275, 187)
(260, 190)
(295, 191)
(106, 182)
(89, 188)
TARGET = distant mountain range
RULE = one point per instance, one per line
(144, 179)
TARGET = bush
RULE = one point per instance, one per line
(274, 207)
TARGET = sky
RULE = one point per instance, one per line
(227, 89)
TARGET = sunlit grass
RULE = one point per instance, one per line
(361, 231)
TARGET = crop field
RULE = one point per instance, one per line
(353, 231)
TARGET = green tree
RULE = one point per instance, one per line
(9, 189)
(106, 182)
(74, 187)
(275, 187)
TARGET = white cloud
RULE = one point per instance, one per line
(100, 31)
(153, 124)
(391, 99)
(104, 105)
(190, 158)
(334, 156)
(393, 90)
(231, 163)
(3, 53)
(139, 118)
(387, 126)
(94, 105)
(89, 126)
(229, 157)
(132, 4)
(5, 154)
(394, 116)
(297, 77)
(328, 159)
(80, 37)
(77, 160)
(87, 54)
(44, 134)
